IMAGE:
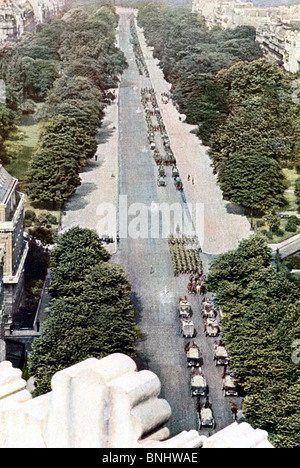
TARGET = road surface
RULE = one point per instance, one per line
(156, 294)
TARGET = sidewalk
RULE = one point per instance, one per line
(287, 247)
(99, 184)
(220, 230)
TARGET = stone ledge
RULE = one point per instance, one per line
(102, 403)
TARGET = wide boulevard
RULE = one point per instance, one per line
(147, 260)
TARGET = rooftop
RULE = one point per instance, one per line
(7, 182)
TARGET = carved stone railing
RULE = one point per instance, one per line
(102, 403)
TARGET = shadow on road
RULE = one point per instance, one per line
(78, 201)
(234, 208)
(104, 134)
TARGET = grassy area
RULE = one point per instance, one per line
(290, 208)
(31, 131)
(18, 166)
(260, 226)
(279, 238)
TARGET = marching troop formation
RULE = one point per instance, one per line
(185, 255)
(198, 384)
(139, 57)
(157, 135)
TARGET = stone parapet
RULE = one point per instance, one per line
(95, 404)
(102, 403)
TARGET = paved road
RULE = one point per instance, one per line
(156, 294)
(99, 185)
(222, 226)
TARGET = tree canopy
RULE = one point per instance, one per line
(259, 132)
(260, 323)
(90, 315)
(62, 151)
(242, 103)
(7, 129)
(69, 65)
(191, 54)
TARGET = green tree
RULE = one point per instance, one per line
(39, 76)
(252, 180)
(64, 131)
(273, 221)
(260, 321)
(51, 177)
(297, 192)
(8, 128)
(260, 131)
(191, 55)
(62, 151)
(75, 97)
(77, 251)
(98, 321)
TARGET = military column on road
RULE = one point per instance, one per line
(158, 139)
(194, 359)
(208, 313)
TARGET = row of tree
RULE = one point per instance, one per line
(191, 54)
(259, 135)
(261, 326)
(241, 102)
(8, 131)
(63, 149)
(30, 66)
(69, 66)
(90, 315)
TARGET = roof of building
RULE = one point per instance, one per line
(7, 182)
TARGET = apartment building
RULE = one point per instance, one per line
(17, 16)
(13, 250)
(277, 28)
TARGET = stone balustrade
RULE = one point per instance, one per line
(102, 403)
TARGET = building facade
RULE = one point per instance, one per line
(13, 249)
(281, 43)
(277, 28)
(17, 16)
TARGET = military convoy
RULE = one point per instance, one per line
(187, 325)
(185, 310)
(194, 359)
(229, 386)
(193, 355)
(187, 328)
(199, 386)
(211, 327)
(205, 417)
(161, 182)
